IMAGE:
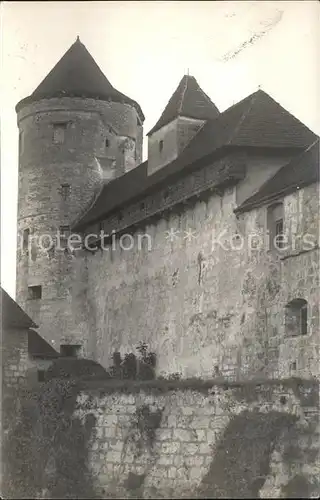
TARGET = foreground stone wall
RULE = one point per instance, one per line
(215, 441)
(71, 438)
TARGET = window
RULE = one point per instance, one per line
(160, 146)
(70, 350)
(41, 375)
(296, 317)
(26, 234)
(64, 231)
(21, 142)
(59, 130)
(279, 233)
(34, 292)
(65, 190)
(275, 226)
(107, 143)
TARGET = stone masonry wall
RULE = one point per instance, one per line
(200, 305)
(214, 440)
(14, 359)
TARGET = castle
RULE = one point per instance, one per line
(207, 252)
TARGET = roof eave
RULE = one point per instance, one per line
(246, 207)
(30, 99)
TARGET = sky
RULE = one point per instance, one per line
(144, 49)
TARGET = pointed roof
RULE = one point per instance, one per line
(188, 100)
(257, 122)
(77, 74)
(299, 172)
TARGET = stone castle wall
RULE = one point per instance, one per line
(220, 442)
(201, 308)
(161, 439)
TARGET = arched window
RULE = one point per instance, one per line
(160, 146)
(275, 226)
(296, 317)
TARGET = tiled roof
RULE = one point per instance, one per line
(301, 171)
(39, 348)
(12, 314)
(188, 100)
(77, 74)
(255, 122)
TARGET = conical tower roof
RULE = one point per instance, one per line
(188, 100)
(77, 74)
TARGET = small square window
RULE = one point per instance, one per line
(70, 350)
(59, 130)
(64, 231)
(34, 292)
(65, 190)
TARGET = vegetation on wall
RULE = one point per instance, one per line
(46, 446)
(133, 366)
(142, 429)
(241, 460)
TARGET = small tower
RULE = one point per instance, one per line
(187, 110)
(76, 132)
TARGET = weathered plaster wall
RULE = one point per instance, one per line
(159, 158)
(224, 442)
(175, 136)
(258, 170)
(200, 305)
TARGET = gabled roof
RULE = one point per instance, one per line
(77, 74)
(39, 348)
(12, 315)
(299, 172)
(188, 100)
(255, 122)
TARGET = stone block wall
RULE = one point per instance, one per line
(202, 305)
(212, 441)
(14, 358)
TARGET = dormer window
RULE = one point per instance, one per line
(59, 130)
(160, 146)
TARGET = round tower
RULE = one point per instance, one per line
(76, 132)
